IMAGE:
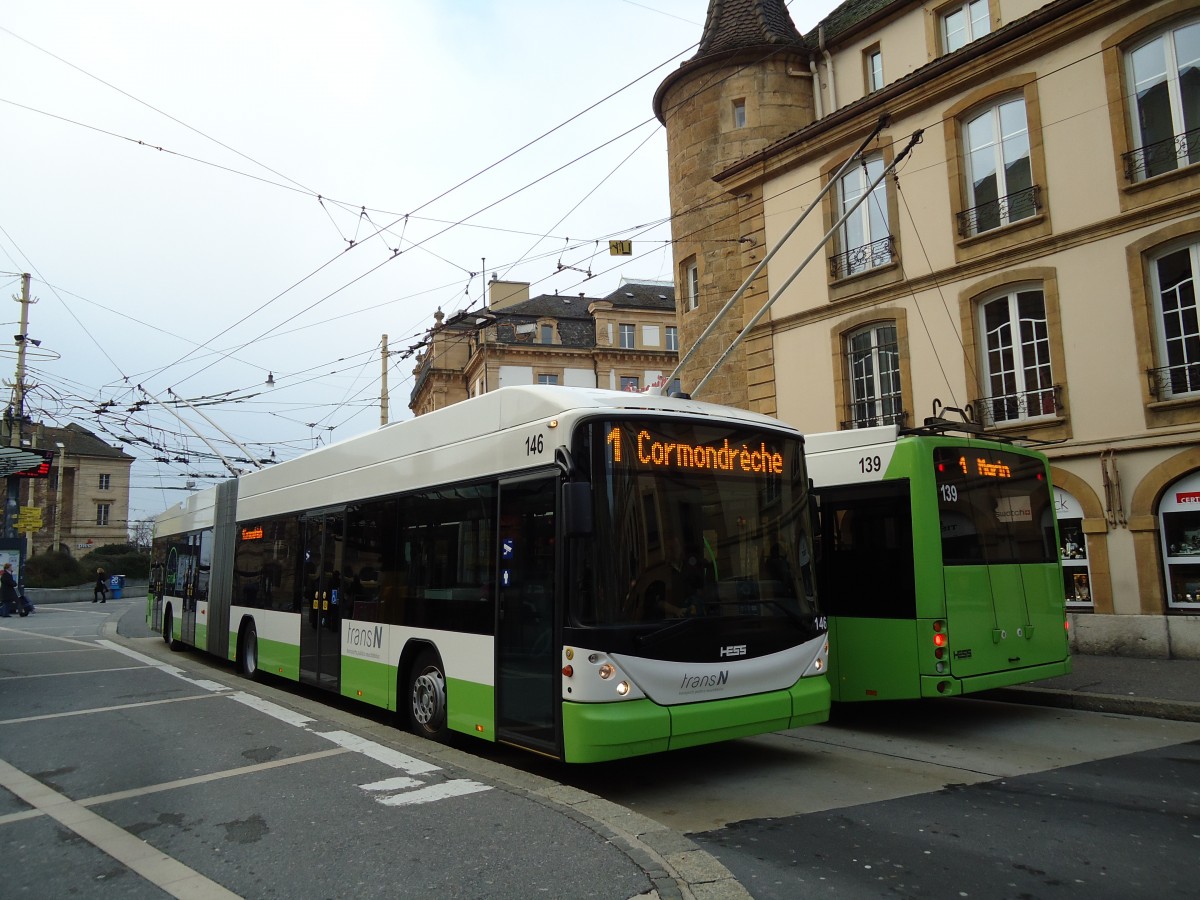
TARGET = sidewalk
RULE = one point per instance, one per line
(1161, 688)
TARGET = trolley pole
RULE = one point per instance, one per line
(383, 393)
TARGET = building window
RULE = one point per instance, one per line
(1179, 525)
(1178, 326)
(1000, 187)
(963, 23)
(104, 482)
(547, 379)
(873, 355)
(1072, 548)
(672, 337)
(1164, 73)
(866, 241)
(102, 510)
(739, 113)
(692, 280)
(1016, 363)
(630, 383)
(650, 336)
(873, 64)
(628, 341)
(547, 334)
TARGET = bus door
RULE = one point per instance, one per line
(527, 654)
(189, 565)
(321, 606)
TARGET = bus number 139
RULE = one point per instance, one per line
(949, 492)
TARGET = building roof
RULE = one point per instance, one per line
(78, 441)
(738, 24)
(847, 16)
(644, 295)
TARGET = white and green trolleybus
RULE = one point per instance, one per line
(586, 574)
(938, 562)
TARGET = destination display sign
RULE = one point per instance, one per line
(638, 446)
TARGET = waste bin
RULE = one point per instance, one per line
(116, 584)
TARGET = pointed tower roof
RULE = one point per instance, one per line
(736, 24)
(733, 28)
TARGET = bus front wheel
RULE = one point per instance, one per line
(248, 652)
(427, 697)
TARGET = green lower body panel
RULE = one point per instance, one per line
(471, 708)
(370, 682)
(873, 659)
(593, 732)
(202, 636)
(948, 686)
(278, 658)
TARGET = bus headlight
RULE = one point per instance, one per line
(623, 688)
(607, 670)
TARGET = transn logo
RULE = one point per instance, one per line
(734, 650)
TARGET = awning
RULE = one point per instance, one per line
(16, 459)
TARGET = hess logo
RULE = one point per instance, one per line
(733, 650)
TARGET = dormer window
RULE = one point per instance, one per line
(546, 333)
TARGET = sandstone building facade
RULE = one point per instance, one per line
(1032, 260)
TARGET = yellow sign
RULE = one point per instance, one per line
(29, 519)
(620, 248)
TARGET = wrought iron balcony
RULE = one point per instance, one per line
(1005, 408)
(864, 415)
(1010, 208)
(860, 259)
(1171, 381)
(1162, 156)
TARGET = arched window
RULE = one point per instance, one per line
(1179, 525)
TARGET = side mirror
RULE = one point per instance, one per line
(577, 509)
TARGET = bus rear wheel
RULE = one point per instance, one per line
(248, 651)
(168, 632)
(427, 697)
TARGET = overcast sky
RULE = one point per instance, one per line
(209, 193)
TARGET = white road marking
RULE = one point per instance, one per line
(399, 783)
(274, 710)
(100, 709)
(167, 873)
(380, 753)
(456, 787)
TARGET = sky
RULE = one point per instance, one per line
(211, 195)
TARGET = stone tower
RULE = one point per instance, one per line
(749, 85)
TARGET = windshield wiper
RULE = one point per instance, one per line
(658, 635)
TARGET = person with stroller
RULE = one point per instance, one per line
(100, 589)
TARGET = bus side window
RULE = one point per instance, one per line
(865, 565)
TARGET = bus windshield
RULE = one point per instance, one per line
(991, 504)
(690, 520)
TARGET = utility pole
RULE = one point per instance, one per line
(12, 505)
(383, 394)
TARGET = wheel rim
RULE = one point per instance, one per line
(429, 700)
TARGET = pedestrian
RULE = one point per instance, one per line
(100, 590)
(8, 591)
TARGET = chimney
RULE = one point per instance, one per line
(506, 293)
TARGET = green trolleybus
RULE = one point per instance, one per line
(938, 563)
(582, 573)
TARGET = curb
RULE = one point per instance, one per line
(1177, 710)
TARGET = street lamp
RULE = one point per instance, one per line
(58, 496)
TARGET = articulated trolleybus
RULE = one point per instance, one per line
(586, 574)
(938, 561)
